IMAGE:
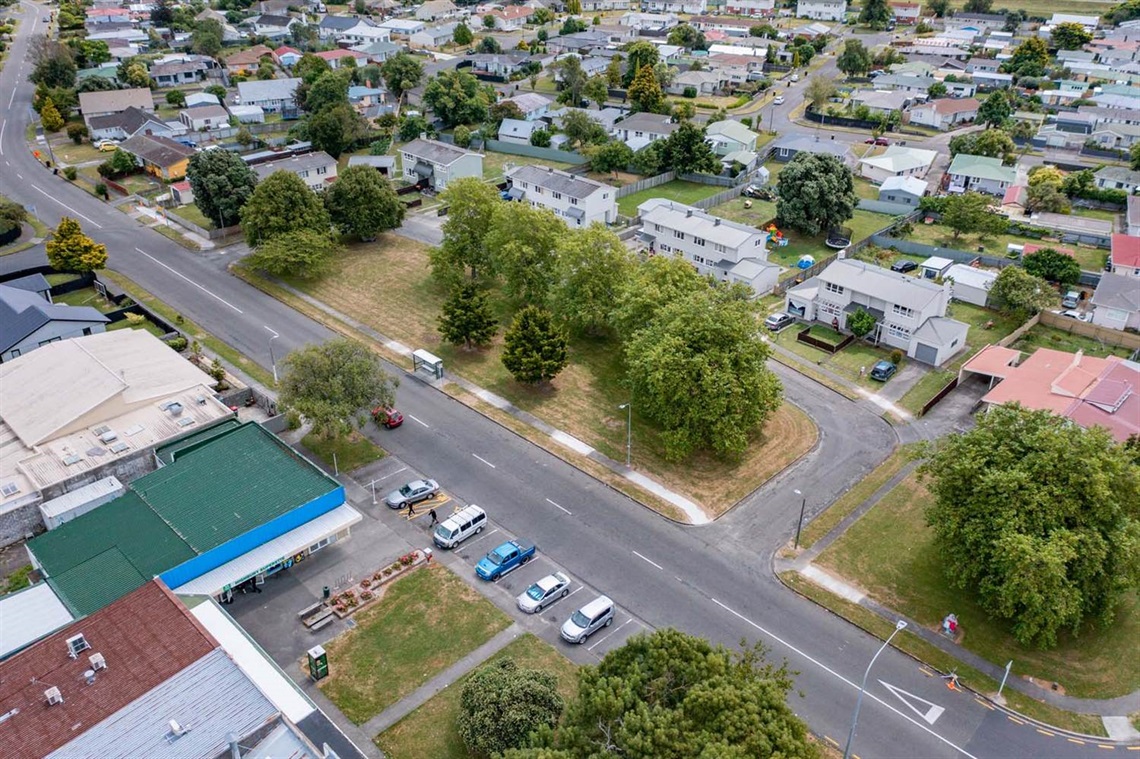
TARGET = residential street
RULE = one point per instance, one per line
(715, 581)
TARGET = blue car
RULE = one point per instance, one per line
(506, 558)
(883, 371)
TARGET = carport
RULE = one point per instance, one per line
(994, 362)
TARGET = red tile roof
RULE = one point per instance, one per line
(146, 638)
(1126, 251)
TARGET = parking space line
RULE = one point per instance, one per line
(648, 561)
(484, 537)
(1107, 746)
(1077, 741)
(555, 505)
(419, 421)
(393, 474)
(603, 640)
(576, 590)
(1014, 719)
(488, 463)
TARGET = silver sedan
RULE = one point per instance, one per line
(412, 493)
(543, 593)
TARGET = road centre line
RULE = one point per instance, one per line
(69, 209)
(488, 463)
(840, 677)
(648, 561)
(183, 276)
(555, 505)
(419, 421)
(12, 99)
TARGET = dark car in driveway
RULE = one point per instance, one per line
(883, 371)
(904, 265)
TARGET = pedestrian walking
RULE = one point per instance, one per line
(434, 519)
(411, 509)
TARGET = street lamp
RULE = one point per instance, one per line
(862, 688)
(272, 359)
(628, 432)
(799, 526)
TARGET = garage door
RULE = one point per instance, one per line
(927, 354)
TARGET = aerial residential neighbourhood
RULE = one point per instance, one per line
(448, 379)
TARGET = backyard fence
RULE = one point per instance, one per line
(884, 207)
(1106, 335)
(710, 179)
(721, 197)
(1018, 333)
(645, 184)
(530, 151)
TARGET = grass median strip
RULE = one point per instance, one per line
(430, 731)
(424, 623)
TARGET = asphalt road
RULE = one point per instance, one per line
(715, 581)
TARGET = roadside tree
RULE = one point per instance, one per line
(222, 183)
(300, 253)
(816, 193)
(592, 267)
(462, 254)
(282, 203)
(855, 58)
(68, 249)
(331, 383)
(502, 704)
(995, 143)
(534, 349)
(49, 116)
(651, 285)
(467, 318)
(1038, 518)
(362, 202)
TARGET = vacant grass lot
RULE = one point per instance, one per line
(682, 192)
(191, 214)
(351, 451)
(1041, 336)
(890, 553)
(387, 285)
(430, 730)
(424, 623)
(1090, 259)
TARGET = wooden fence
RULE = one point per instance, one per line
(645, 184)
(805, 337)
(945, 391)
(1106, 335)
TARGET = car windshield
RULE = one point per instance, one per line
(407, 490)
(536, 592)
(495, 558)
(443, 532)
(580, 619)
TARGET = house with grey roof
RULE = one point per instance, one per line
(104, 102)
(640, 129)
(430, 163)
(910, 312)
(1117, 178)
(533, 105)
(317, 169)
(1116, 302)
(433, 36)
(29, 319)
(272, 95)
(897, 161)
(518, 131)
(903, 190)
(331, 27)
(433, 10)
(980, 174)
(787, 147)
(576, 200)
(378, 51)
(128, 123)
(385, 164)
(723, 249)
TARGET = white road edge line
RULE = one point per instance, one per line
(488, 463)
(69, 209)
(183, 276)
(2, 127)
(555, 505)
(271, 331)
(649, 561)
(602, 640)
(419, 421)
(832, 672)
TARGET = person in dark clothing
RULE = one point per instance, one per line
(434, 519)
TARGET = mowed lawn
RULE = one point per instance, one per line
(682, 192)
(890, 553)
(430, 731)
(387, 286)
(423, 623)
(1090, 258)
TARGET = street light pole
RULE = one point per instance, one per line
(862, 688)
(628, 433)
(272, 358)
(800, 525)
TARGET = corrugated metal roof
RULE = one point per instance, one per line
(28, 615)
(211, 697)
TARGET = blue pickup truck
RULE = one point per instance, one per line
(508, 556)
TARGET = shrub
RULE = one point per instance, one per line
(70, 173)
(366, 583)
(366, 595)
(101, 190)
(293, 419)
(896, 357)
(136, 320)
(689, 92)
(177, 343)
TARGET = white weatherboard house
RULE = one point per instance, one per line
(578, 201)
(980, 174)
(436, 163)
(729, 251)
(910, 313)
(897, 161)
(272, 96)
(822, 10)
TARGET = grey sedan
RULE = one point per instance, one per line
(414, 492)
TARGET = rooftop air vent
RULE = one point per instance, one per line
(89, 676)
(109, 436)
(77, 645)
(186, 422)
(119, 447)
(53, 696)
(97, 661)
(174, 408)
(100, 430)
(72, 459)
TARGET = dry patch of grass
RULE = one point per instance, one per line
(430, 730)
(424, 623)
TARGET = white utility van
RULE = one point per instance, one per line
(459, 526)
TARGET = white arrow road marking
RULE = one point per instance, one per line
(930, 715)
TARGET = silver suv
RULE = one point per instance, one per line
(589, 619)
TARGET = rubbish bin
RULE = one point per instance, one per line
(326, 592)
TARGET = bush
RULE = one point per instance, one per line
(101, 190)
(896, 357)
(70, 173)
(293, 419)
(178, 343)
(689, 92)
(76, 132)
(136, 320)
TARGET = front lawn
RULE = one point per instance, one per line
(677, 190)
(88, 296)
(424, 623)
(853, 363)
(347, 452)
(890, 553)
(191, 214)
(430, 731)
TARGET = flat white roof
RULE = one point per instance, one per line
(28, 615)
(281, 547)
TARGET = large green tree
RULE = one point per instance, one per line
(281, 203)
(969, 214)
(534, 348)
(456, 97)
(523, 241)
(1030, 58)
(612, 156)
(593, 266)
(994, 143)
(330, 384)
(336, 129)
(1016, 291)
(53, 64)
(650, 286)
(645, 91)
(471, 205)
(698, 370)
(402, 72)
(467, 318)
(639, 55)
(686, 151)
(817, 195)
(670, 694)
(309, 68)
(875, 13)
(855, 58)
(502, 704)
(938, 7)
(300, 253)
(330, 89)
(687, 37)
(222, 183)
(571, 79)
(362, 202)
(1069, 36)
(995, 109)
(68, 249)
(206, 39)
(1039, 518)
(1053, 266)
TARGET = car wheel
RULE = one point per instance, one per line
(478, 530)
(525, 559)
(565, 593)
(609, 621)
(431, 496)
(538, 608)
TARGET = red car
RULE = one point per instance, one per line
(387, 417)
(877, 141)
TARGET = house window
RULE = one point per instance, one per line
(304, 174)
(698, 260)
(557, 195)
(829, 309)
(573, 201)
(831, 287)
(322, 170)
(901, 333)
(678, 234)
(902, 311)
(665, 248)
(52, 340)
(699, 241)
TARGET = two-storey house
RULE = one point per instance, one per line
(822, 10)
(317, 169)
(577, 200)
(433, 164)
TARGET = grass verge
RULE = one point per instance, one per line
(430, 730)
(190, 329)
(911, 644)
(350, 452)
(890, 552)
(423, 623)
(171, 233)
(826, 521)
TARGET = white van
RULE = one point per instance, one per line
(459, 526)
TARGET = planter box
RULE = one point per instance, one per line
(339, 603)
